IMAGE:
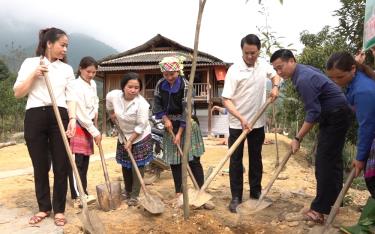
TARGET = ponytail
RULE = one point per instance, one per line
(48, 35)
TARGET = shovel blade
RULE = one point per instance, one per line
(252, 206)
(198, 198)
(91, 223)
(152, 204)
(106, 200)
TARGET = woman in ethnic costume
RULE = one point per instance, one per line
(170, 99)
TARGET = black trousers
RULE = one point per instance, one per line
(329, 165)
(196, 168)
(131, 181)
(255, 141)
(42, 134)
(82, 162)
(370, 183)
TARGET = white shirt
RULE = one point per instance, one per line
(246, 88)
(132, 115)
(87, 104)
(60, 74)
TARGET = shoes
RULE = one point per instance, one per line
(125, 195)
(234, 203)
(133, 202)
(77, 203)
(90, 199)
(255, 195)
(39, 218)
(366, 222)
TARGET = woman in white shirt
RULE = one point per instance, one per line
(41, 129)
(87, 113)
(131, 111)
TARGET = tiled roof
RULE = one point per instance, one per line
(155, 56)
(148, 67)
(148, 55)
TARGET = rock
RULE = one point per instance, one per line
(310, 223)
(227, 229)
(291, 217)
(293, 224)
(274, 223)
(282, 226)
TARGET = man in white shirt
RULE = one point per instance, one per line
(243, 95)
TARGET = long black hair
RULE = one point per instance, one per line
(48, 35)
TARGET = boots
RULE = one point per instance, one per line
(366, 223)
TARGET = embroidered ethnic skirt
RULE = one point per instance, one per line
(82, 142)
(142, 153)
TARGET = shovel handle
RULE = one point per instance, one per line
(340, 198)
(188, 167)
(105, 171)
(275, 175)
(235, 145)
(131, 158)
(68, 150)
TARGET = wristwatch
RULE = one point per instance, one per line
(276, 85)
(298, 139)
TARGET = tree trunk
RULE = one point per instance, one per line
(189, 110)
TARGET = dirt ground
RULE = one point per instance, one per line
(293, 191)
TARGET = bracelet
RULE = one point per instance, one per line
(276, 85)
(298, 139)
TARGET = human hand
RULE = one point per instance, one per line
(358, 165)
(71, 130)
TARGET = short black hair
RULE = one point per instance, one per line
(283, 54)
(130, 76)
(251, 39)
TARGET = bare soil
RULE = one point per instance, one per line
(293, 191)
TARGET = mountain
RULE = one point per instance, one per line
(19, 40)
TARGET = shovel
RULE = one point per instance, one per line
(251, 206)
(335, 208)
(91, 223)
(151, 203)
(109, 194)
(191, 192)
(188, 167)
(202, 197)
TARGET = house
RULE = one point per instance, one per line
(144, 59)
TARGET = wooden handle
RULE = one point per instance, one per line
(235, 145)
(340, 198)
(65, 139)
(131, 158)
(187, 165)
(275, 175)
(104, 165)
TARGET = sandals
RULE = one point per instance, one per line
(38, 218)
(60, 221)
(312, 215)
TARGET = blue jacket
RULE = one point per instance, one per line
(361, 96)
(318, 93)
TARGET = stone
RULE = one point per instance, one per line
(293, 224)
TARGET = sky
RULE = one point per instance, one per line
(124, 24)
